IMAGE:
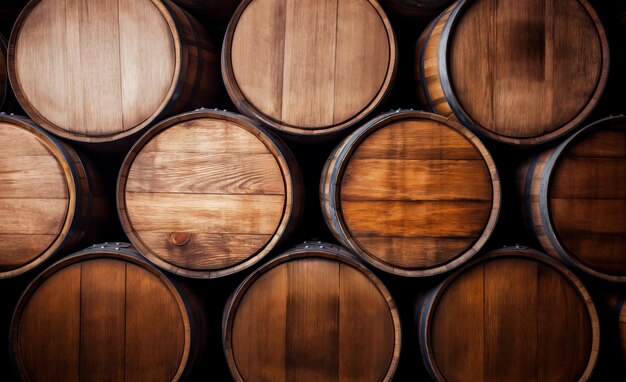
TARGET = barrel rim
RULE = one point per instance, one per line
(425, 318)
(75, 194)
(306, 250)
(176, 81)
(281, 154)
(246, 107)
(117, 251)
(464, 117)
(545, 192)
(331, 188)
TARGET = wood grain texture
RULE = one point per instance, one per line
(207, 193)
(90, 317)
(512, 315)
(319, 66)
(531, 46)
(411, 192)
(575, 198)
(102, 70)
(49, 197)
(312, 314)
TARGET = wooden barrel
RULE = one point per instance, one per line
(412, 193)
(105, 314)
(415, 8)
(574, 199)
(51, 199)
(215, 10)
(318, 67)
(208, 193)
(517, 71)
(512, 315)
(312, 314)
(101, 70)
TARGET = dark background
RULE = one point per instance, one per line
(311, 157)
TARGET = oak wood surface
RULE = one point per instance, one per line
(50, 198)
(101, 70)
(525, 55)
(208, 193)
(312, 314)
(575, 198)
(513, 315)
(93, 316)
(411, 192)
(319, 66)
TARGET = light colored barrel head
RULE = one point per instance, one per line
(317, 67)
(92, 69)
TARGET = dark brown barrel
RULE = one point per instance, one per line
(415, 8)
(512, 315)
(51, 198)
(302, 86)
(101, 70)
(574, 199)
(106, 314)
(517, 71)
(208, 193)
(413, 193)
(215, 10)
(312, 314)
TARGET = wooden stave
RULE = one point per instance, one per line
(196, 335)
(294, 132)
(294, 207)
(187, 35)
(88, 204)
(448, 104)
(337, 162)
(425, 303)
(314, 249)
(533, 181)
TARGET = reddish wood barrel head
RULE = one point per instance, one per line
(319, 67)
(208, 193)
(517, 71)
(411, 192)
(100, 70)
(312, 314)
(102, 314)
(576, 199)
(39, 184)
(513, 315)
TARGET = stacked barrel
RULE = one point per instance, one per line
(217, 190)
